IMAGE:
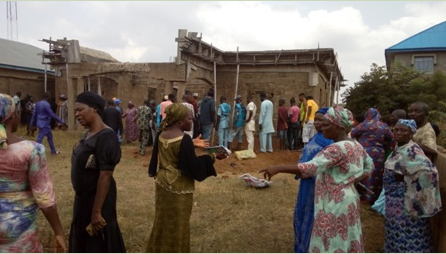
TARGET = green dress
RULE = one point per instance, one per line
(337, 223)
(176, 167)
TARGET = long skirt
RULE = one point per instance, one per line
(171, 227)
(109, 239)
(403, 233)
(303, 215)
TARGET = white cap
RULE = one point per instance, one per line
(195, 95)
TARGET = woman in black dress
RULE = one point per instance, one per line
(92, 163)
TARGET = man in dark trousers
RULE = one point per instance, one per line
(41, 118)
(207, 114)
(111, 117)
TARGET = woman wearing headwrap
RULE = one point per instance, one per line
(25, 186)
(337, 224)
(303, 213)
(131, 127)
(412, 194)
(93, 161)
(376, 137)
(175, 168)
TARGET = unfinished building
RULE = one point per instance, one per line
(198, 66)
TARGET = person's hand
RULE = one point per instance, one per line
(221, 155)
(97, 221)
(260, 127)
(270, 171)
(203, 143)
(59, 244)
(306, 121)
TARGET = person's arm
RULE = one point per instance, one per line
(212, 111)
(52, 216)
(197, 167)
(262, 115)
(43, 192)
(219, 112)
(50, 112)
(323, 160)
(250, 113)
(310, 109)
(108, 155)
(103, 186)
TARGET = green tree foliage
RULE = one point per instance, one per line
(396, 88)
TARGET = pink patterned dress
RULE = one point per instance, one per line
(337, 225)
(25, 185)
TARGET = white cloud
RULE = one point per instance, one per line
(146, 31)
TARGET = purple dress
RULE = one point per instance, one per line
(131, 130)
(376, 137)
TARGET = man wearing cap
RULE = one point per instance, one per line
(169, 100)
(266, 126)
(238, 122)
(42, 118)
(207, 114)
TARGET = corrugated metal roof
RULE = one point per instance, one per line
(433, 38)
(20, 56)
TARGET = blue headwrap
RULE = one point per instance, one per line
(409, 123)
(323, 111)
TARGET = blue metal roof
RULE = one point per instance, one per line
(433, 38)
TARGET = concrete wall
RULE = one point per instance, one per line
(406, 59)
(12, 81)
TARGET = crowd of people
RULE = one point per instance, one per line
(385, 161)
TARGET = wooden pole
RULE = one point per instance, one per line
(329, 91)
(46, 81)
(236, 86)
(337, 89)
(99, 86)
(215, 99)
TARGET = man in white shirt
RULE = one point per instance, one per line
(250, 125)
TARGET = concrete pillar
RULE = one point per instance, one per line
(71, 95)
(181, 90)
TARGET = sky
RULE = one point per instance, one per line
(359, 31)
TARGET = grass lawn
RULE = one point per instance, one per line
(226, 217)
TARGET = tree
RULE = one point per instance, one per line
(393, 89)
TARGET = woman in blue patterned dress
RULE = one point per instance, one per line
(303, 213)
(376, 137)
(412, 194)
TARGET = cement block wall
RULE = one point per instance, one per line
(12, 81)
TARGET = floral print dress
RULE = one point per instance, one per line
(412, 196)
(25, 185)
(337, 223)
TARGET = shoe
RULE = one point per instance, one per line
(56, 153)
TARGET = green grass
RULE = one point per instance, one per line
(226, 217)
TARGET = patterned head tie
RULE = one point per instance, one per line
(7, 108)
(340, 116)
(409, 123)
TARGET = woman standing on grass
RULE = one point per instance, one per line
(303, 213)
(337, 223)
(25, 186)
(131, 127)
(412, 194)
(376, 137)
(175, 168)
(94, 158)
